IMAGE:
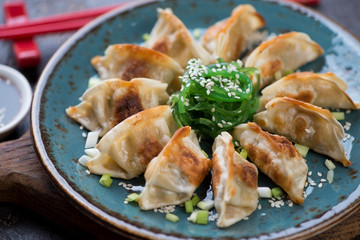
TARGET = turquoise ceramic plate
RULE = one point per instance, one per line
(59, 140)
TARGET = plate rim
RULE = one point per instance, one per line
(122, 227)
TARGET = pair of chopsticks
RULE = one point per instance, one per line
(56, 23)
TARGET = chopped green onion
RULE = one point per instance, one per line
(288, 72)
(93, 81)
(277, 192)
(202, 217)
(206, 204)
(92, 139)
(83, 160)
(206, 155)
(132, 197)
(338, 115)
(264, 192)
(192, 217)
(92, 152)
(106, 180)
(195, 199)
(189, 206)
(244, 153)
(303, 150)
(329, 164)
(330, 176)
(171, 217)
(145, 36)
(277, 75)
(197, 33)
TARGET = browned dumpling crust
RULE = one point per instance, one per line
(285, 52)
(228, 38)
(171, 37)
(234, 182)
(173, 176)
(128, 61)
(305, 124)
(324, 90)
(127, 149)
(276, 157)
(111, 101)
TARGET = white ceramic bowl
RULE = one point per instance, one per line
(23, 86)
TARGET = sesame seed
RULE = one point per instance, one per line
(323, 180)
(220, 125)
(307, 130)
(87, 171)
(320, 185)
(319, 174)
(212, 109)
(309, 173)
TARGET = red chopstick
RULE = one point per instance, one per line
(56, 23)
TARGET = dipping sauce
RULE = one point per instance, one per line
(10, 101)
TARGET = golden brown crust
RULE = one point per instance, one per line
(192, 166)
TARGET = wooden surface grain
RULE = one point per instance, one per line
(31, 207)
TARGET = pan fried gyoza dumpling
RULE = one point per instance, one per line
(173, 176)
(234, 181)
(323, 90)
(305, 124)
(111, 101)
(127, 149)
(171, 37)
(228, 38)
(128, 61)
(276, 157)
(286, 52)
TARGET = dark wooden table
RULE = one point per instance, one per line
(25, 216)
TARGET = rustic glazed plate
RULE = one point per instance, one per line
(60, 143)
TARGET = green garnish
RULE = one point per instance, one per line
(277, 192)
(288, 72)
(215, 98)
(303, 150)
(206, 155)
(244, 153)
(106, 180)
(195, 199)
(132, 197)
(197, 33)
(338, 115)
(329, 164)
(145, 36)
(206, 204)
(171, 217)
(189, 208)
(202, 217)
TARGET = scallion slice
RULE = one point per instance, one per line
(338, 115)
(206, 204)
(132, 197)
(189, 206)
(106, 180)
(195, 199)
(244, 153)
(202, 217)
(330, 176)
(329, 164)
(277, 192)
(303, 150)
(171, 217)
(264, 192)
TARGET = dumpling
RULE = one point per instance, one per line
(111, 101)
(324, 90)
(286, 52)
(127, 149)
(276, 157)
(228, 38)
(173, 176)
(234, 182)
(128, 61)
(305, 124)
(170, 36)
